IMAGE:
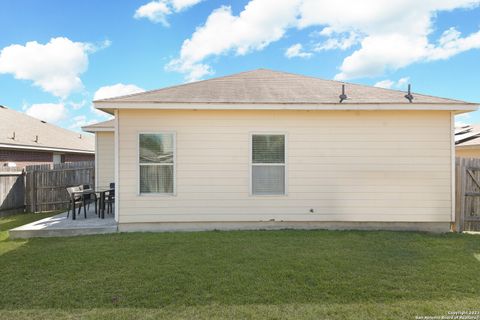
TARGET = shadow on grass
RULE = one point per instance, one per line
(151, 270)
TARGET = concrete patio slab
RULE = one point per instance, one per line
(61, 226)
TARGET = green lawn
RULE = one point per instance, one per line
(243, 275)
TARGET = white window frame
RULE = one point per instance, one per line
(251, 164)
(162, 194)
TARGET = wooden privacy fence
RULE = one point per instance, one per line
(12, 191)
(467, 186)
(46, 184)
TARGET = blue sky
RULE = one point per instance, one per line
(57, 55)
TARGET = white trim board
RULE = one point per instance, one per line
(108, 106)
(452, 164)
(20, 147)
(93, 130)
(117, 173)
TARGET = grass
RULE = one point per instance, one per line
(245, 275)
(17, 220)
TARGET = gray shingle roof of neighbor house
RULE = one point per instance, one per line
(20, 131)
(467, 136)
(264, 86)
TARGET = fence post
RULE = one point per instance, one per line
(12, 191)
(457, 195)
(34, 192)
(463, 175)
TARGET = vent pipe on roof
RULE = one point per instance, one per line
(13, 136)
(80, 137)
(409, 96)
(343, 96)
(36, 138)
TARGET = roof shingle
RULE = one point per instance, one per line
(27, 128)
(264, 86)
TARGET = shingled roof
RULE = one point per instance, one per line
(467, 136)
(20, 131)
(108, 125)
(264, 86)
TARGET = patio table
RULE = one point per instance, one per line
(98, 190)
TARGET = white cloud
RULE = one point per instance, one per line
(451, 43)
(112, 91)
(390, 34)
(49, 112)
(81, 121)
(342, 42)
(389, 84)
(157, 11)
(180, 5)
(326, 32)
(381, 53)
(100, 113)
(402, 82)
(77, 105)
(297, 51)
(55, 66)
(393, 34)
(116, 90)
(192, 71)
(386, 84)
(259, 24)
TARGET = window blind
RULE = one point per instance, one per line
(156, 160)
(268, 164)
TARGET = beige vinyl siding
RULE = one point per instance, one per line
(468, 152)
(105, 158)
(343, 165)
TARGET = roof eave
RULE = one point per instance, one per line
(467, 147)
(109, 106)
(97, 129)
(24, 147)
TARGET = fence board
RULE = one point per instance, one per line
(467, 195)
(12, 191)
(47, 183)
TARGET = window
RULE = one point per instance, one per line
(157, 163)
(58, 158)
(268, 164)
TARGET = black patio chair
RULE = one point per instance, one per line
(77, 200)
(87, 199)
(110, 198)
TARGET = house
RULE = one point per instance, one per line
(104, 152)
(25, 140)
(268, 149)
(467, 142)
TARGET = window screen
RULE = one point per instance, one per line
(157, 162)
(268, 164)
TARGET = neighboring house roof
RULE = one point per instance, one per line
(20, 131)
(467, 136)
(108, 125)
(268, 87)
